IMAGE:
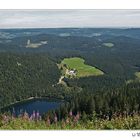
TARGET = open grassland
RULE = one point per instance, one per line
(81, 68)
(109, 45)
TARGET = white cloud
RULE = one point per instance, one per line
(69, 18)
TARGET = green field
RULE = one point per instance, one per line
(82, 69)
(35, 45)
(109, 45)
(137, 74)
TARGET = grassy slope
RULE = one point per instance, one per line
(83, 69)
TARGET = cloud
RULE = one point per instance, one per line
(69, 18)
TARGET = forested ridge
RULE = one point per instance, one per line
(26, 75)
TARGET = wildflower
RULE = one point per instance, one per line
(75, 119)
(25, 116)
(78, 116)
(55, 118)
(48, 121)
(5, 119)
(38, 115)
(33, 115)
(67, 121)
(70, 113)
(31, 118)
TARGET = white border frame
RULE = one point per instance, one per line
(70, 4)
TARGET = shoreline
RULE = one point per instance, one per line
(29, 99)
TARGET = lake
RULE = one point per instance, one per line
(41, 105)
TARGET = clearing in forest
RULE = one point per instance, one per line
(109, 45)
(35, 45)
(137, 75)
(75, 67)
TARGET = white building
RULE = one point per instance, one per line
(71, 72)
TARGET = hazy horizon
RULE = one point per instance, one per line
(28, 19)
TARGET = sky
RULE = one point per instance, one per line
(69, 18)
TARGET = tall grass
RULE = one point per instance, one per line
(24, 122)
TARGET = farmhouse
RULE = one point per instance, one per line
(71, 72)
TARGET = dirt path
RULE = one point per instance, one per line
(60, 80)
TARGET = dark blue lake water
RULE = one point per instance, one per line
(41, 105)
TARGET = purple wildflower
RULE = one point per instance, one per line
(55, 118)
(70, 113)
(75, 119)
(33, 115)
(37, 115)
(78, 116)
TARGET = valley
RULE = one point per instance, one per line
(94, 70)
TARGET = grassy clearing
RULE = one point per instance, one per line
(137, 75)
(35, 45)
(81, 68)
(109, 45)
(137, 78)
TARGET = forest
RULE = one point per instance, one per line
(34, 72)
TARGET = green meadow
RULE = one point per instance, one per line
(109, 45)
(82, 69)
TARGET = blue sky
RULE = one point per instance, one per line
(69, 18)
